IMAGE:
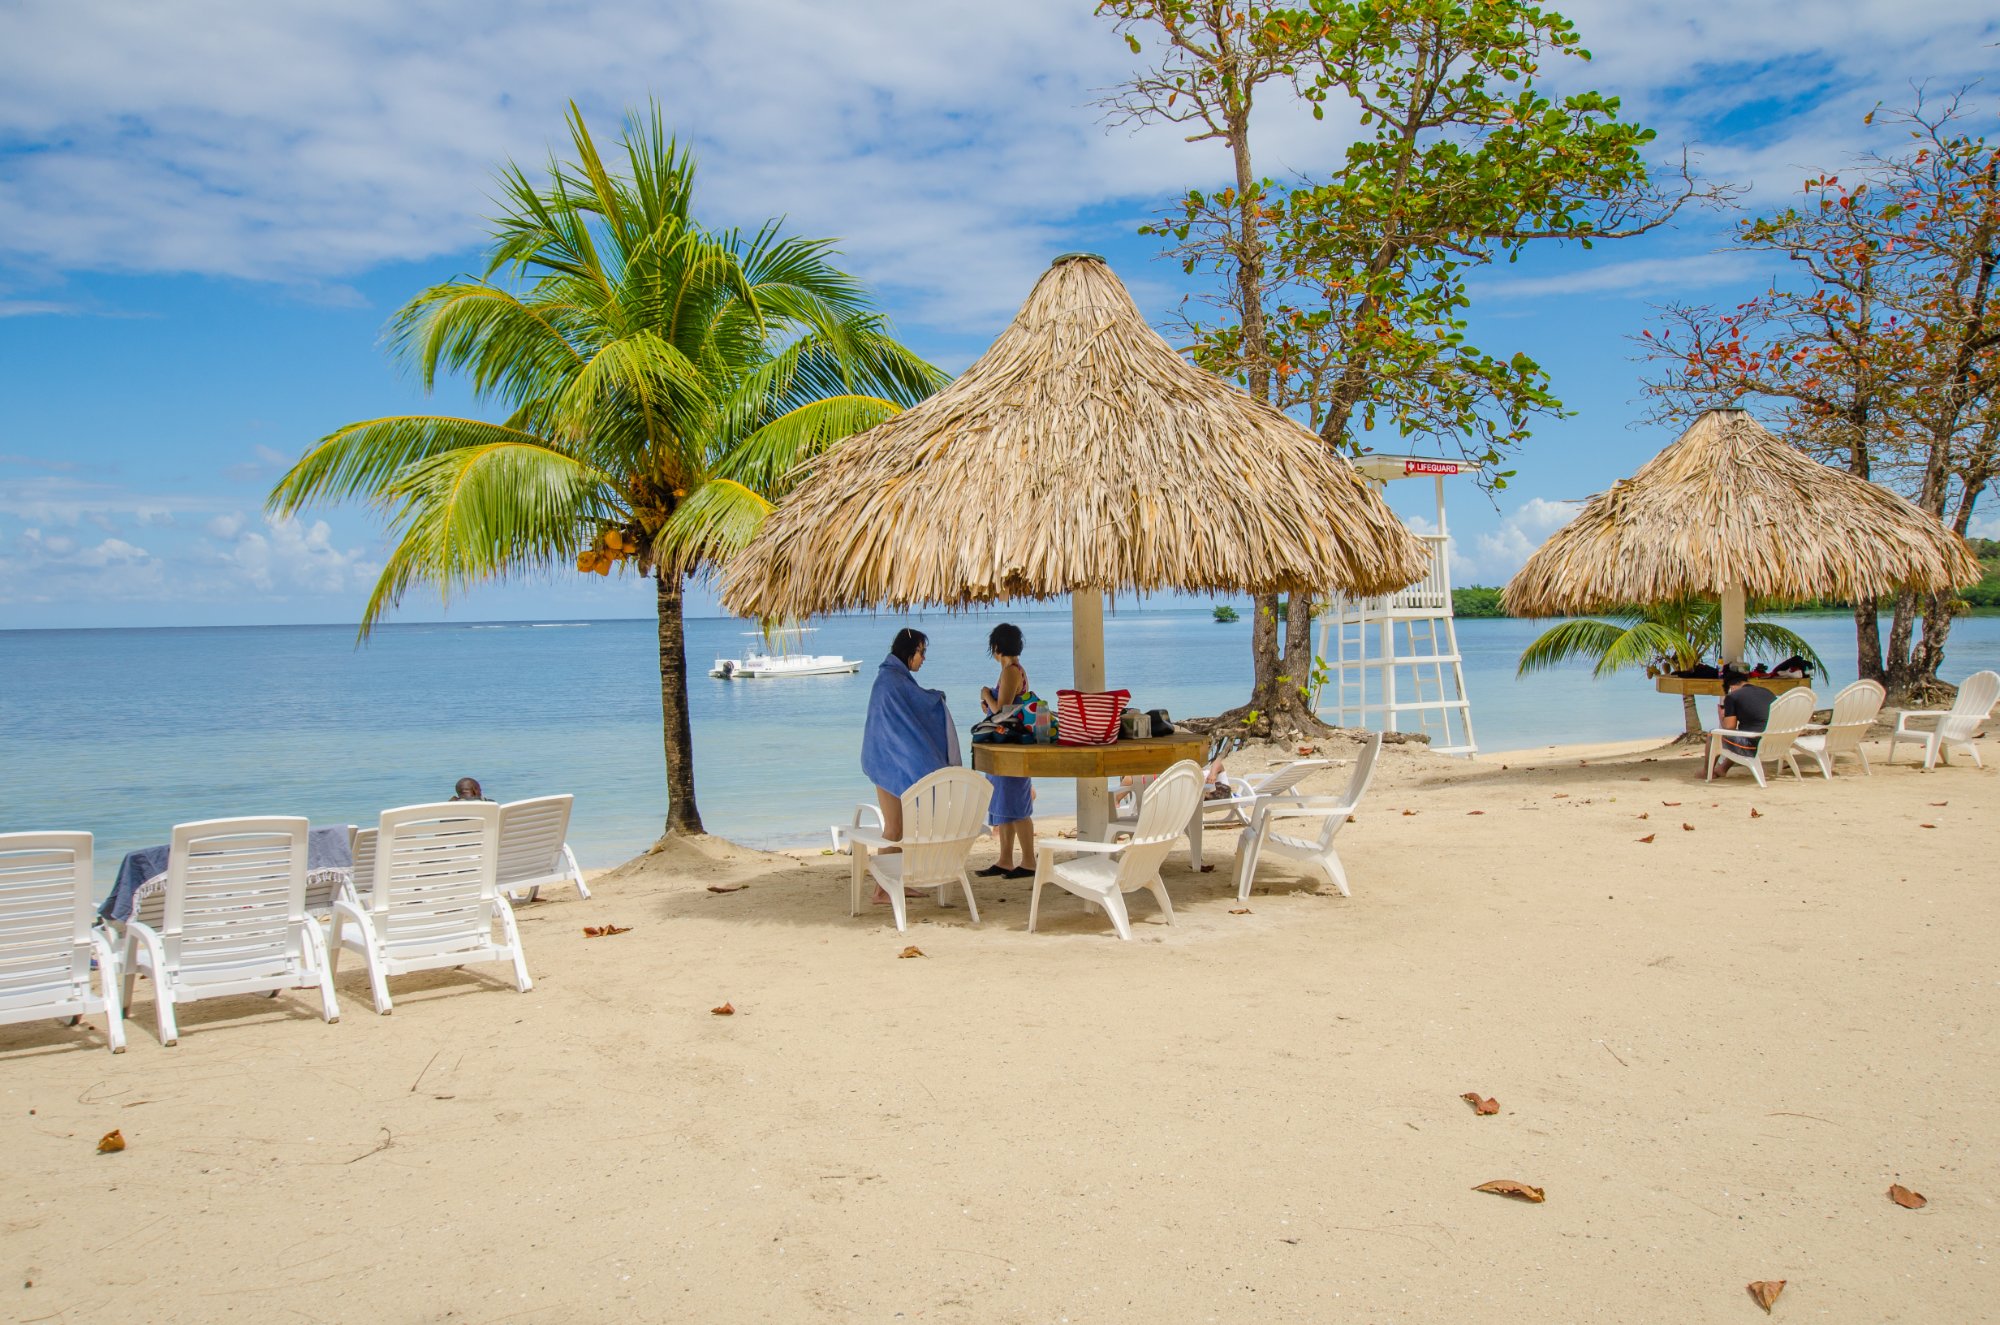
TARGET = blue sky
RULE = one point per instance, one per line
(209, 208)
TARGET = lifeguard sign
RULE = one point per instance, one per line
(1392, 662)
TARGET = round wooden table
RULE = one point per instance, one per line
(1093, 763)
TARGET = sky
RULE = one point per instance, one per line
(210, 208)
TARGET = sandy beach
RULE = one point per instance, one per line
(1715, 1050)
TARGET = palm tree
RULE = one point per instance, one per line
(1662, 638)
(661, 384)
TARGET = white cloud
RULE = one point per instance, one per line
(58, 500)
(224, 527)
(1695, 271)
(289, 556)
(1502, 550)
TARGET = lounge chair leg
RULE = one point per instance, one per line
(576, 874)
(1114, 905)
(897, 903)
(1159, 890)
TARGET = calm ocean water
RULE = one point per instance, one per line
(126, 732)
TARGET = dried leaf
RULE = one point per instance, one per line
(1508, 1187)
(1482, 1107)
(726, 1010)
(1408, 813)
(1670, 804)
(1561, 795)
(605, 931)
(1475, 811)
(912, 951)
(1898, 1193)
(1940, 804)
(1646, 779)
(1239, 910)
(727, 887)
(1765, 1292)
(1756, 813)
(1308, 749)
(1644, 815)
(1648, 837)
(1927, 825)
(1687, 828)
(111, 1142)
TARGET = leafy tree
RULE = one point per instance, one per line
(661, 382)
(1882, 354)
(1343, 298)
(1662, 638)
(1476, 600)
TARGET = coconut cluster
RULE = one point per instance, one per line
(612, 546)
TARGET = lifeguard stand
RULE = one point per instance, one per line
(1393, 661)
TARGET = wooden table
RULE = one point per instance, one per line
(1135, 758)
(1712, 685)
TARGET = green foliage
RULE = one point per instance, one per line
(1224, 612)
(1476, 601)
(1662, 638)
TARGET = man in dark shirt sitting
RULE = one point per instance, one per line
(1745, 708)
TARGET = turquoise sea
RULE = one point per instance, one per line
(126, 732)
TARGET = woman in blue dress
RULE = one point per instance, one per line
(909, 733)
(1010, 815)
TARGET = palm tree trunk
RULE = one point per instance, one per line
(1691, 717)
(677, 732)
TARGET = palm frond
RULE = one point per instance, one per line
(365, 460)
(1568, 641)
(768, 457)
(711, 526)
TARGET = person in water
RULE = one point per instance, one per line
(908, 735)
(1010, 815)
(468, 789)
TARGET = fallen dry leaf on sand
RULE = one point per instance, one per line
(1408, 813)
(1475, 811)
(605, 931)
(1520, 1191)
(1940, 804)
(726, 1010)
(1648, 837)
(1927, 825)
(1561, 795)
(1687, 828)
(1644, 815)
(1898, 1193)
(1482, 1107)
(1765, 1291)
(1671, 804)
(912, 951)
(1756, 813)
(111, 1142)
(1239, 910)
(727, 887)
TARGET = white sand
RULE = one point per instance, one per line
(1715, 1051)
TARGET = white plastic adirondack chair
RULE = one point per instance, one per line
(534, 847)
(1953, 728)
(1246, 792)
(1315, 853)
(434, 900)
(943, 815)
(1789, 716)
(231, 920)
(48, 934)
(1854, 712)
(362, 849)
(1106, 871)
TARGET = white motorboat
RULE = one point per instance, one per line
(760, 665)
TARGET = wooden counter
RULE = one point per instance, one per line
(1712, 685)
(1153, 754)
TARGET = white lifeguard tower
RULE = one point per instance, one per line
(1392, 661)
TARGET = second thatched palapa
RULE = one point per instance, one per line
(1727, 511)
(1079, 453)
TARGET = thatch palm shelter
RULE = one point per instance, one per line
(1080, 455)
(1730, 511)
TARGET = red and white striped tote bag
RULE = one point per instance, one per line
(1089, 718)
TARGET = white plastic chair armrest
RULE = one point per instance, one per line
(869, 837)
(1903, 716)
(1076, 845)
(1303, 807)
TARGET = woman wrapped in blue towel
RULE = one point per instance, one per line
(909, 734)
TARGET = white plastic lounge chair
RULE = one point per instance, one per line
(1316, 852)
(1789, 716)
(866, 815)
(48, 934)
(1854, 712)
(943, 815)
(534, 847)
(1246, 792)
(1105, 871)
(231, 920)
(1953, 728)
(434, 900)
(363, 854)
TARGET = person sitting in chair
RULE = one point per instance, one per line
(1744, 708)
(468, 789)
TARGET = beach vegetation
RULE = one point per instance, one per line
(1225, 613)
(658, 383)
(1662, 638)
(1879, 353)
(1342, 297)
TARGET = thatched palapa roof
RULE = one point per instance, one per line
(1080, 452)
(1729, 504)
